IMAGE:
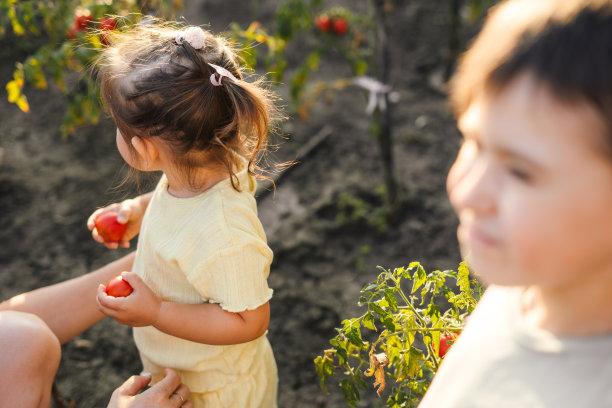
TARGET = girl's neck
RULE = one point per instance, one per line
(580, 309)
(202, 179)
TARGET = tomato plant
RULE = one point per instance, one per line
(118, 287)
(72, 33)
(409, 313)
(109, 228)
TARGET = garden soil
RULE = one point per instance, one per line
(322, 221)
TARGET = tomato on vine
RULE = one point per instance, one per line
(446, 341)
(82, 19)
(108, 24)
(340, 25)
(323, 23)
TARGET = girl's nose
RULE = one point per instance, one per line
(471, 183)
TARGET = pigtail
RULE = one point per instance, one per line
(254, 112)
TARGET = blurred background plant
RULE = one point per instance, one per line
(72, 32)
(70, 35)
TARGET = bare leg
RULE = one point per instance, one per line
(29, 357)
(69, 307)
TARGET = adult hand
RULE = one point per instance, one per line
(168, 393)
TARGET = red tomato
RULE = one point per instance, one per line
(108, 24)
(71, 32)
(323, 23)
(108, 226)
(340, 25)
(446, 341)
(117, 287)
(82, 19)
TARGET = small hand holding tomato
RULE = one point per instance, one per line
(118, 287)
(140, 308)
(116, 224)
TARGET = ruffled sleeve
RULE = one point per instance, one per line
(236, 277)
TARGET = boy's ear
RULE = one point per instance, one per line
(147, 150)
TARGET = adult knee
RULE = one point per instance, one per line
(30, 355)
(25, 334)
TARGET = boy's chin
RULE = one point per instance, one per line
(491, 273)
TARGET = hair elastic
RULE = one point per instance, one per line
(222, 72)
(195, 36)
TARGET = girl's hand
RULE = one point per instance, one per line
(130, 212)
(140, 308)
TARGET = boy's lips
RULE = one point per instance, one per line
(468, 234)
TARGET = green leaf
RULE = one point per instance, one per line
(350, 392)
(360, 67)
(325, 369)
(463, 278)
(17, 27)
(419, 278)
(435, 337)
(368, 322)
(354, 336)
(380, 312)
(415, 357)
(433, 311)
(391, 300)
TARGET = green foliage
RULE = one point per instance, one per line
(295, 21)
(352, 209)
(403, 329)
(74, 34)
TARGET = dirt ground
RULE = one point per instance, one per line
(48, 188)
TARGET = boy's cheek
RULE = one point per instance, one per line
(465, 159)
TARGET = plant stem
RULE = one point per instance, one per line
(382, 117)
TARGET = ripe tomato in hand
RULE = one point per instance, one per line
(323, 23)
(108, 227)
(117, 287)
(340, 25)
(446, 341)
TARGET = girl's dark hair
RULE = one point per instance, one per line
(566, 44)
(154, 87)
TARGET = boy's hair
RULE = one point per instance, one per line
(566, 44)
(154, 87)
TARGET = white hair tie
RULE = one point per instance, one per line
(195, 36)
(222, 72)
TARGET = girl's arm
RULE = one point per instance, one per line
(204, 323)
(69, 307)
(130, 211)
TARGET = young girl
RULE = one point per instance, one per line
(200, 299)
(532, 187)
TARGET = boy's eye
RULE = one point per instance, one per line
(520, 173)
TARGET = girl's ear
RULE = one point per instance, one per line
(147, 150)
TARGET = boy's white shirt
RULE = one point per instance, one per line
(499, 362)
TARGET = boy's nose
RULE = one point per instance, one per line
(471, 185)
